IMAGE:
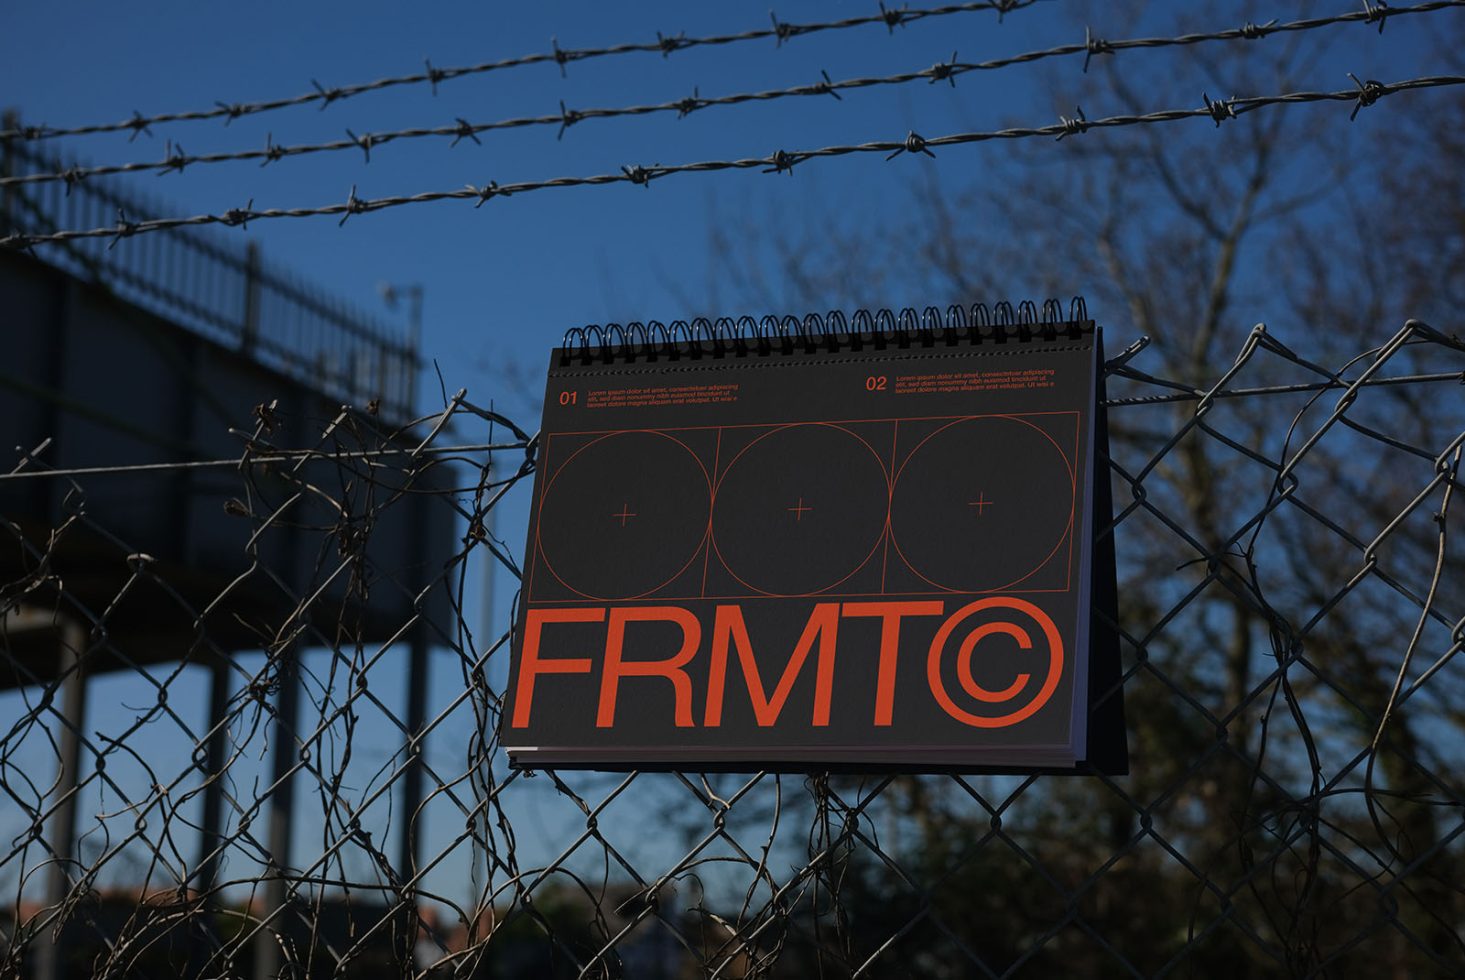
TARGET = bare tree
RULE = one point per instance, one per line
(1253, 715)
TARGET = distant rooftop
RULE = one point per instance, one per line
(215, 285)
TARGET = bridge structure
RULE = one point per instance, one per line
(145, 366)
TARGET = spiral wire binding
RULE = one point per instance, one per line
(879, 330)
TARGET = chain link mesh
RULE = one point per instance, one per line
(286, 764)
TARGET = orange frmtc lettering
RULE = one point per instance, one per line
(890, 614)
(530, 666)
(672, 669)
(728, 628)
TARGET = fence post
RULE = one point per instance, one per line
(250, 332)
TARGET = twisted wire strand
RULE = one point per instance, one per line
(664, 44)
(1364, 94)
(175, 160)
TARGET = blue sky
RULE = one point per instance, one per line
(505, 281)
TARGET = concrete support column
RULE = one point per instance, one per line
(286, 752)
(408, 836)
(206, 867)
(62, 831)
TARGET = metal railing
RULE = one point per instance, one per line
(218, 286)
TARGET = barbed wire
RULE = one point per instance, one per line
(1365, 93)
(268, 458)
(176, 159)
(665, 44)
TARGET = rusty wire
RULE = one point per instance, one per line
(780, 31)
(1365, 93)
(176, 159)
(1333, 789)
(759, 875)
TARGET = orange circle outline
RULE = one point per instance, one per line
(1067, 528)
(712, 536)
(539, 545)
(1055, 662)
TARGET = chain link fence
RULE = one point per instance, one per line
(285, 763)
